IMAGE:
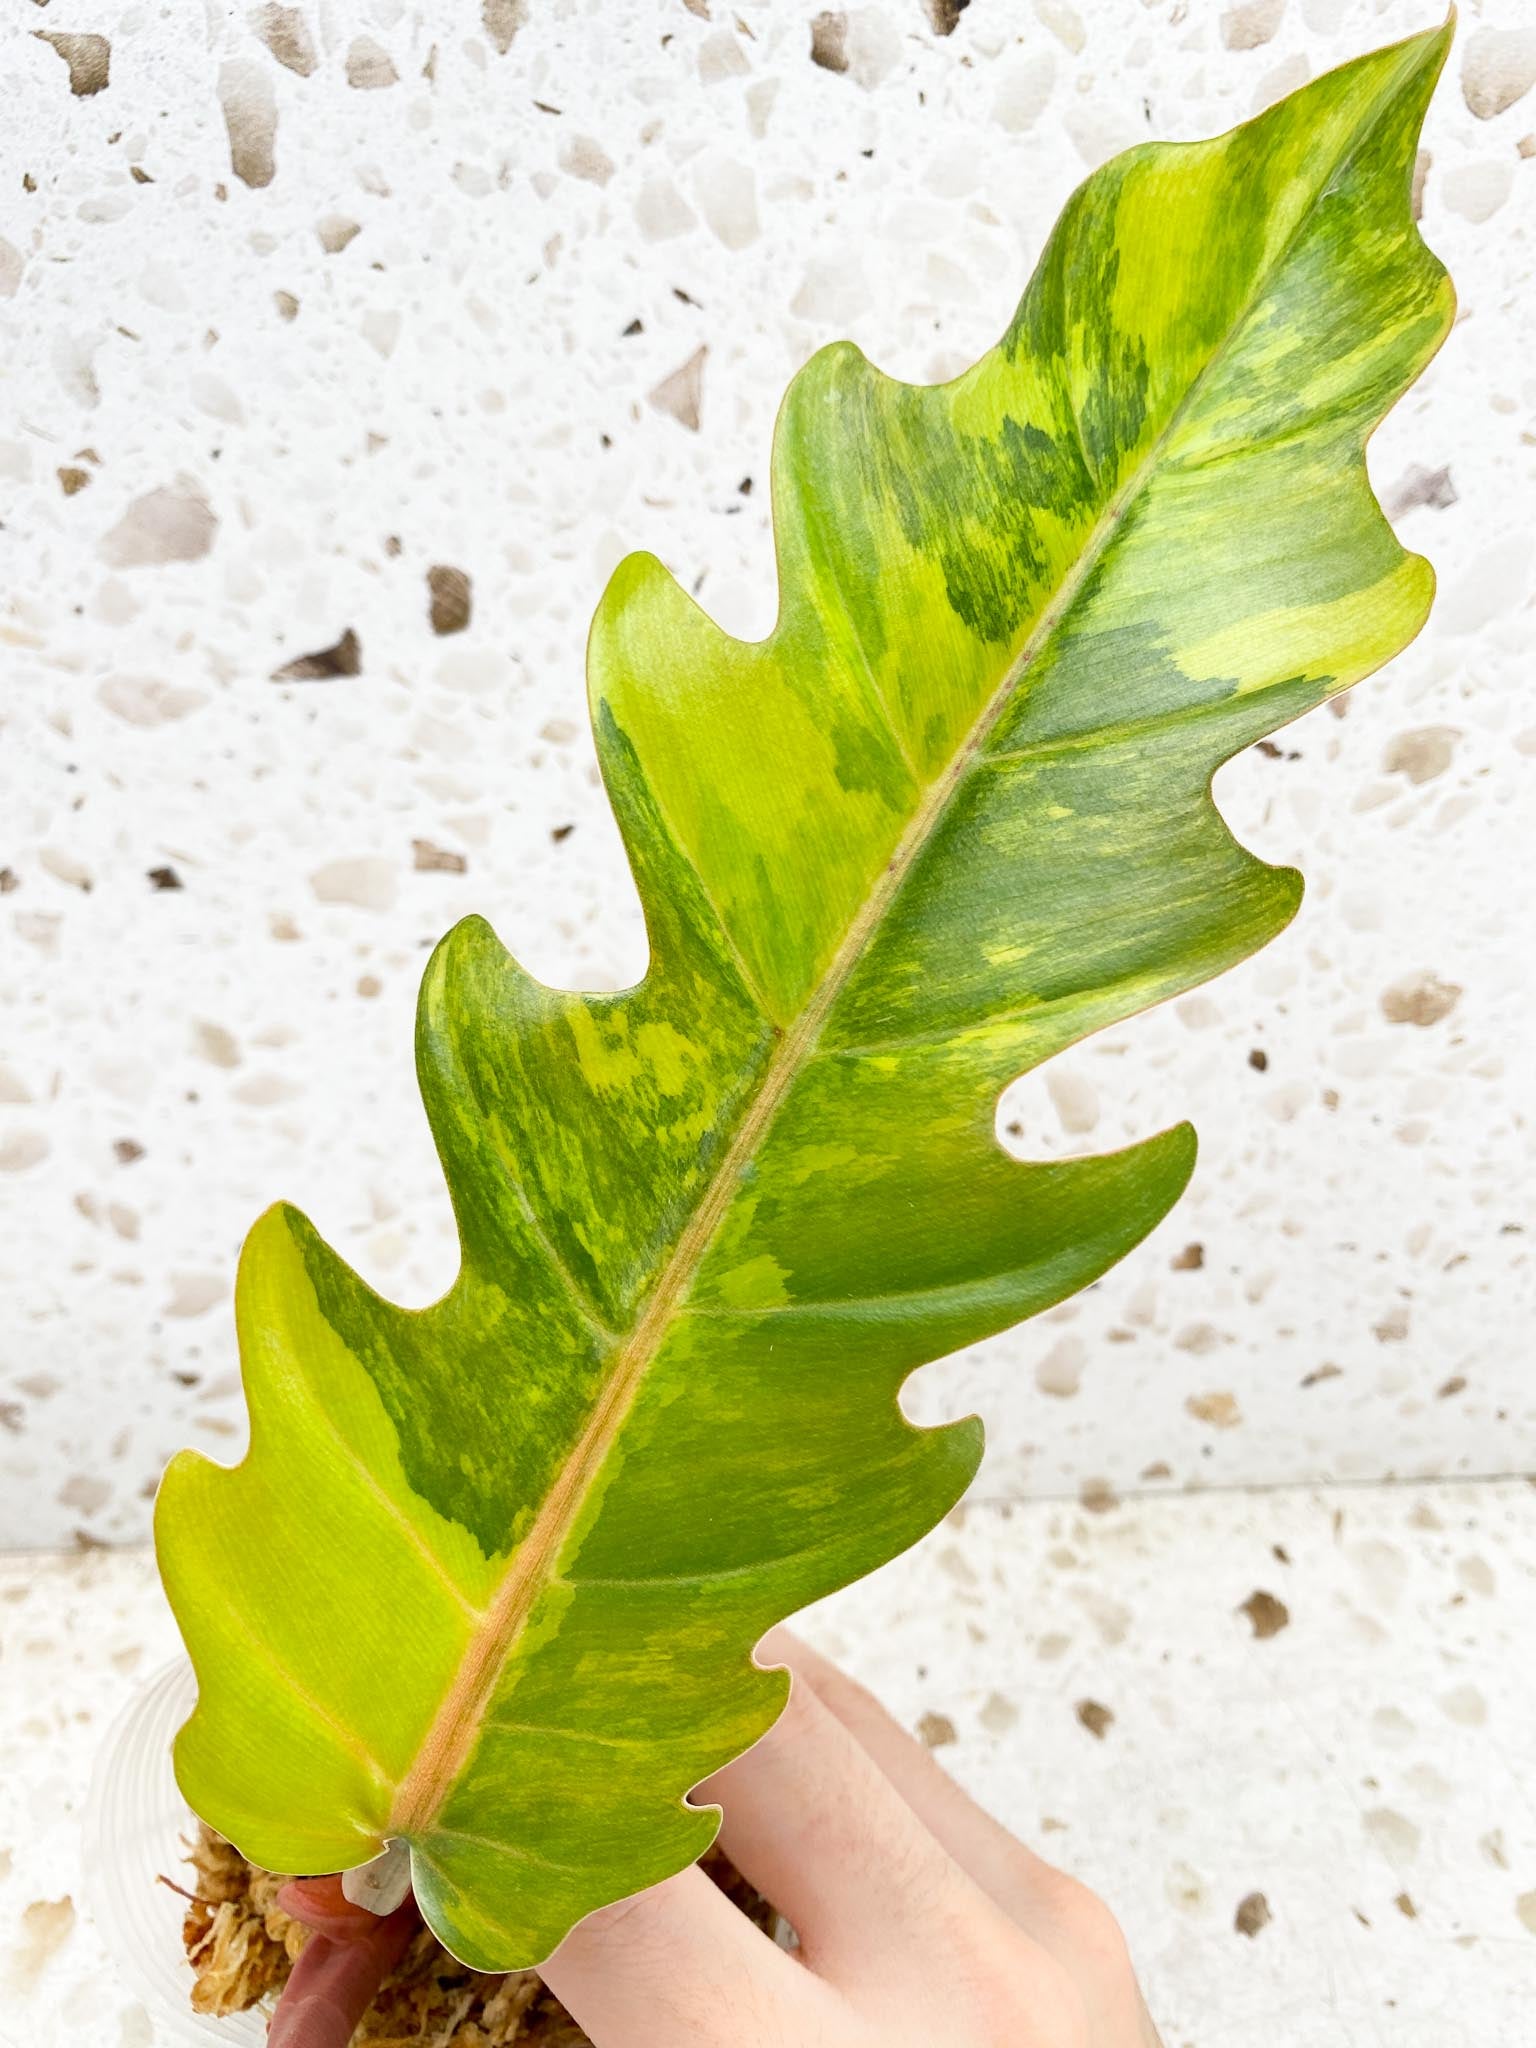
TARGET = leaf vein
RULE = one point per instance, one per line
(571, 1734)
(510, 1849)
(295, 1685)
(393, 1508)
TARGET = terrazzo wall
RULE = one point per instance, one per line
(348, 346)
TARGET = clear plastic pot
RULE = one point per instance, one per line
(136, 1828)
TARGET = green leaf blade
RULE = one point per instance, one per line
(490, 1575)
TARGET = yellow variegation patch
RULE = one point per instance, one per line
(490, 1576)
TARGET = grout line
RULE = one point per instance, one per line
(1263, 1489)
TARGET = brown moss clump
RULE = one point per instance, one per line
(241, 1945)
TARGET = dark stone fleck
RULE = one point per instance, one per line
(1253, 1915)
(89, 59)
(451, 599)
(344, 659)
(1267, 1614)
(936, 1731)
(1097, 1719)
(829, 41)
(944, 15)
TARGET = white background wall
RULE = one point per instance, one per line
(279, 404)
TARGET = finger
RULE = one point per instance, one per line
(1011, 1875)
(1051, 1907)
(320, 1903)
(814, 1824)
(679, 1966)
(333, 1983)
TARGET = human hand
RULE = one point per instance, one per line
(921, 1920)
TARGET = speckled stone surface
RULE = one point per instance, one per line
(347, 349)
(1301, 1714)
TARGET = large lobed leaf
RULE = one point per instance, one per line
(490, 1575)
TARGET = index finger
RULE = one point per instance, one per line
(333, 1983)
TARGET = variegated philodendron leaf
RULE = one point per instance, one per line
(490, 1576)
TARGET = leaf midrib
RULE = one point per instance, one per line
(456, 1727)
